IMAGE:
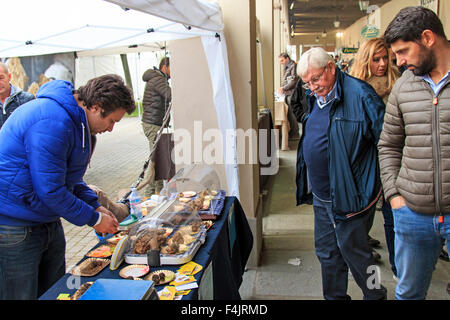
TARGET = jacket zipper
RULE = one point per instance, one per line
(436, 142)
(436, 148)
(10, 98)
(83, 142)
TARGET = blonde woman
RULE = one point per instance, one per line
(373, 64)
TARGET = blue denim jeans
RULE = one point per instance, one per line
(31, 260)
(418, 241)
(341, 246)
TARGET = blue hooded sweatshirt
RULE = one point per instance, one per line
(45, 147)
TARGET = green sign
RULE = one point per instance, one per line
(369, 32)
(349, 50)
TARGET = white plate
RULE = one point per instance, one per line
(135, 271)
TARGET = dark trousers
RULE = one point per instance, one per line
(341, 246)
(293, 124)
(32, 259)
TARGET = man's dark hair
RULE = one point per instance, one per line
(108, 92)
(409, 24)
(164, 62)
(284, 55)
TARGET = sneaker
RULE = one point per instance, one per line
(376, 256)
(374, 242)
(444, 255)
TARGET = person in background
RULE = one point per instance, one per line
(45, 148)
(337, 166)
(290, 79)
(157, 96)
(298, 102)
(373, 64)
(11, 97)
(414, 152)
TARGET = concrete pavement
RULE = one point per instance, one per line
(288, 240)
(289, 269)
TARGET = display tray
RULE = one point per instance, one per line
(81, 290)
(173, 259)
(134, 271)
(215, 206)
(103, 251)
(90, 267)
(170, 259)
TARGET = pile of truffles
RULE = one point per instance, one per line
(158, 277)
(151, 239)
(177, 243)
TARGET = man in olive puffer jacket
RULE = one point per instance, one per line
(414, 147)
(157, 96)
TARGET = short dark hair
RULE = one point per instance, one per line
(108, 92)
(284, 55)
(409, 24)
(165, 61)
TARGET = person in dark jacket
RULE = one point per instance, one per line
(298, 101)
(157, 96)
(11, 97)
(287, 88)
(337, 166)
(45, 148)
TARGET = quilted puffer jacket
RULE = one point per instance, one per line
(45, 147)
(414, 146)
(157, 96)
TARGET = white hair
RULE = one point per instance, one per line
(315, 57)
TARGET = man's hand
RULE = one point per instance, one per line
(103, 210)
(108, 223)
(397, 202)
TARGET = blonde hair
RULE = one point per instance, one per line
(369, 48)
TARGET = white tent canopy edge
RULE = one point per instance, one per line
(112, 25)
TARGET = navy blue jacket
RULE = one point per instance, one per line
(356, 120)
(18, 98)
(45, 147)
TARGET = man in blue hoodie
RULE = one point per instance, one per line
(45, 148)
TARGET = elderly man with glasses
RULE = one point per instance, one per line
(337, 168)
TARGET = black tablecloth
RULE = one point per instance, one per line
(223, 257)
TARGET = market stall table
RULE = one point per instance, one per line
(223, 257)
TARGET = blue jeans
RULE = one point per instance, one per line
(31, 260)
(340, 246)
(418, 241)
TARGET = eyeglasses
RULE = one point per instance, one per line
(316, 79)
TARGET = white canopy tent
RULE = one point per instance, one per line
(89, 26)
